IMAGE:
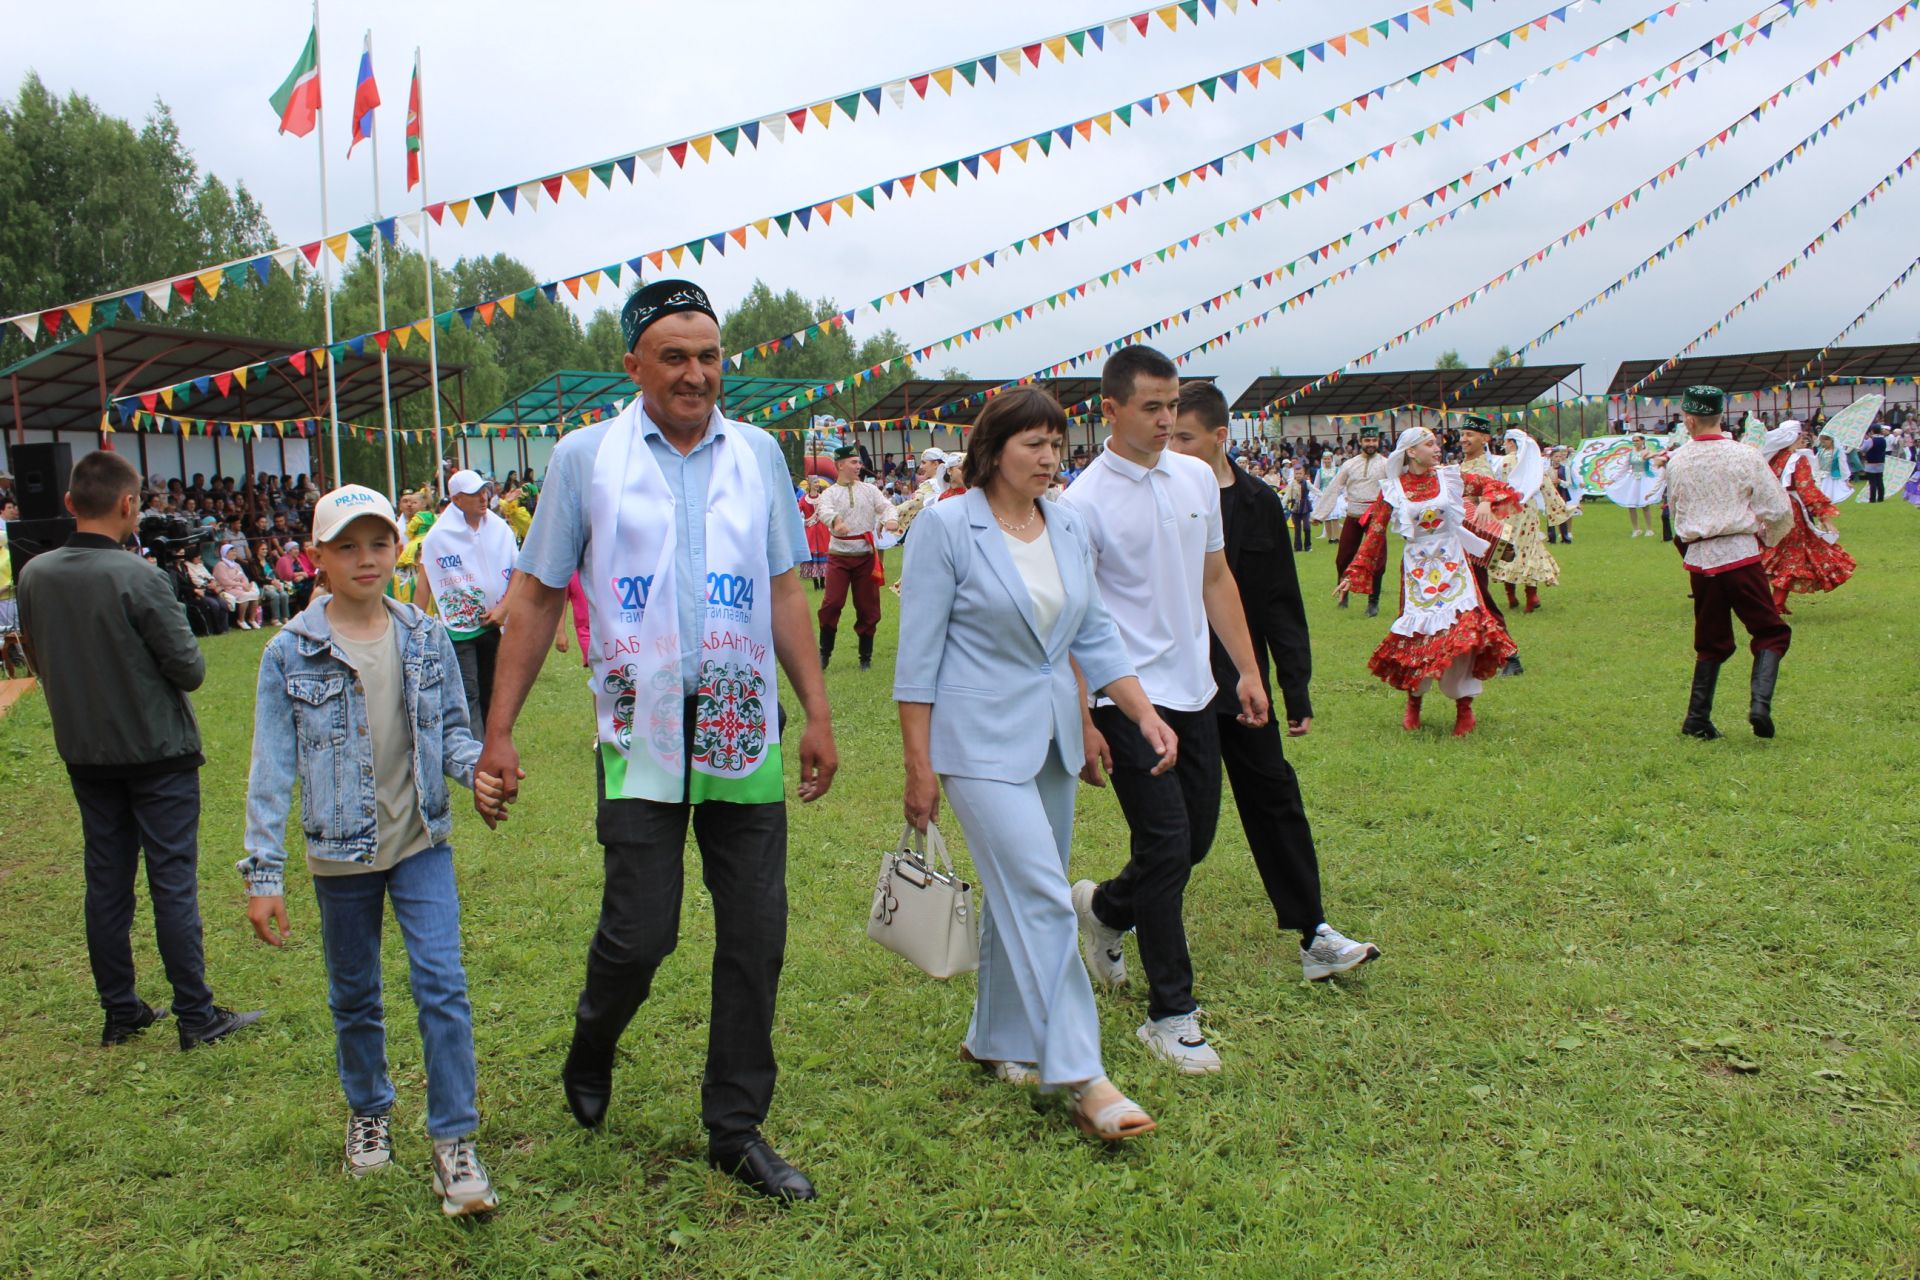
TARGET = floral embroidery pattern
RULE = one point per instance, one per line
(730, 721)
(463, 608)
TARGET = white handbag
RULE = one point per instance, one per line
(924, 911)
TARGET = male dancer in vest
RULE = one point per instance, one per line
(1265, 788)
(854, 511)
(682, 526)
(1359, 478)
(1153, 518)
(1726, 502)
(467, 559)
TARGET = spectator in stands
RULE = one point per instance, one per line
(240, 596)
(275, 599)
(116, 666)
(206, 614)
(293, 569)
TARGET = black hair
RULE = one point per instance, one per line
(1206, 402)
(1128, 363)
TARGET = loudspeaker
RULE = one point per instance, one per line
(41, 473)
(28, 538)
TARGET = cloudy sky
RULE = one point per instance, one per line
(515, 92)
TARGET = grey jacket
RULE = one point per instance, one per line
(116, 658)
(310, 726)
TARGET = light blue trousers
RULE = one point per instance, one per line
(1034, 1003)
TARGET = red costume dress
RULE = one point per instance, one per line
(816, 565)
(1806, 560)
(1444, 613)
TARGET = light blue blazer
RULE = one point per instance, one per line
(968, 644)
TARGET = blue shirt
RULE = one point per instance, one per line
(556, 545)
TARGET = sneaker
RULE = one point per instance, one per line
(1333, 952)
(369, 1145)
(460, 1180)
(1100, 946)
(1179, 1040)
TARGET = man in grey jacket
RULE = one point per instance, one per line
(116, 659)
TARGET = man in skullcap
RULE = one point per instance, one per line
(1726, 504)
(854, 511)
(682, 526)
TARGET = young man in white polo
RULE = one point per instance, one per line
(1153, 517)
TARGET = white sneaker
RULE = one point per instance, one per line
(369, 1145)
(1333, 952)
(1179, 1040)
(460, 1180)
(1101, 947)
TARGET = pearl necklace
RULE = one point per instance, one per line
(1021, 527)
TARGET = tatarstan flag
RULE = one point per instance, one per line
(297, 100)
(413, 127)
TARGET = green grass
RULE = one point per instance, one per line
(1648, 1007)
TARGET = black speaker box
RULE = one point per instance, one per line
(41, 473)
(28, 538)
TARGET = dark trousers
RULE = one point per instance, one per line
(1352, 531)
(118, 817)
(1876, 486)
(1171, 819)
(743, 862)
(1745, 591)
(1267, 794)
(1303, 531)
(476, 674)
(851, 573)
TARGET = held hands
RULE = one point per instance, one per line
(268, 916)
(1253, 700)
(496, 781)
(921, 799)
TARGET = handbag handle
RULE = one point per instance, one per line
(928, 842)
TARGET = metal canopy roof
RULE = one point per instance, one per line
(1762, 371)
(67, 386)
(567, 392)
(1357, 393)
(922, 395)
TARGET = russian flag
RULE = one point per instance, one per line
(366, 96)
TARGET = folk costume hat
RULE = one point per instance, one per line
(846, 451)
(1474, 422)
(1397, 460)
(1784, 436)
(1703, 401)
(657, 301)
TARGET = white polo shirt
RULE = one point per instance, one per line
(1151, 530)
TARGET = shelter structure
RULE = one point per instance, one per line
(1403, 395)
(1772, 383)
(67, 392)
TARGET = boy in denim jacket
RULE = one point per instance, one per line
(360, 701)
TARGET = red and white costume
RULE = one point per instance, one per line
(1445, 632)
(1810, 558)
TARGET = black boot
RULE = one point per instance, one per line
(827, 637)
(1512, 667)
(587, 1079)
(1699, 721)
(1766, 670)
(866, 652)
(1373, 605)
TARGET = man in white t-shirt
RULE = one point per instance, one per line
(1153, 518)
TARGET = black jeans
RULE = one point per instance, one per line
(1172, 819)
(743, 862)
(119, 816)
(1303, 531)
(1267, 794)
(1876, 486)
(476, 674)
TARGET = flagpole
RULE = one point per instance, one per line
(426, 256)
(326, 264)
(380, 295)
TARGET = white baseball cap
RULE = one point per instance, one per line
(465, 482)
(345, 505)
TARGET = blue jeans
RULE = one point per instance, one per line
(426, 905)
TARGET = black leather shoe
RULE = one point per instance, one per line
(119, 1031)
(225, 1022)
(588, 1081)
(759, 1166)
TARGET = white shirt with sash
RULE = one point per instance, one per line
(467, 568)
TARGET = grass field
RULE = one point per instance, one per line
(1648, 1006)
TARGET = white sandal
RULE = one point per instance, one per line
(1023, 1074)
(1119, 1120)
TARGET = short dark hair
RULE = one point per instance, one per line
(1204, 401)
(98, 482)
(1006, 416)
(1128, 363)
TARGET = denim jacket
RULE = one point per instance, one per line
(310, 725)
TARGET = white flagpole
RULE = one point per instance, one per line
(426, 257)
(380, 294)
(326, 263)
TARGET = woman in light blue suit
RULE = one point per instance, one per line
(997, 606)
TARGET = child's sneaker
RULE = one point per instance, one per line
(460, 1180)
(369, 1145)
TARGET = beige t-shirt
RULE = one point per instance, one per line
(403, 832)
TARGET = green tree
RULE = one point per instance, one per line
(1449, 360)
(827, 356)
(605, 345)
(1503, 355)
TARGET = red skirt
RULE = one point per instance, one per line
(1404, 661)
(1805, 562)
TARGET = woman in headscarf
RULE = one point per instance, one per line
(1532, 565)
(1810, 558)
(1639, 487)
(1445, 633)
(1831, 470)
(230, 577)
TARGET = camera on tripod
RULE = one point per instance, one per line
(167, 533)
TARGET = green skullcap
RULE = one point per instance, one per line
(846, 451)
(1474, 422)
(660, 299)
(1703, 401)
